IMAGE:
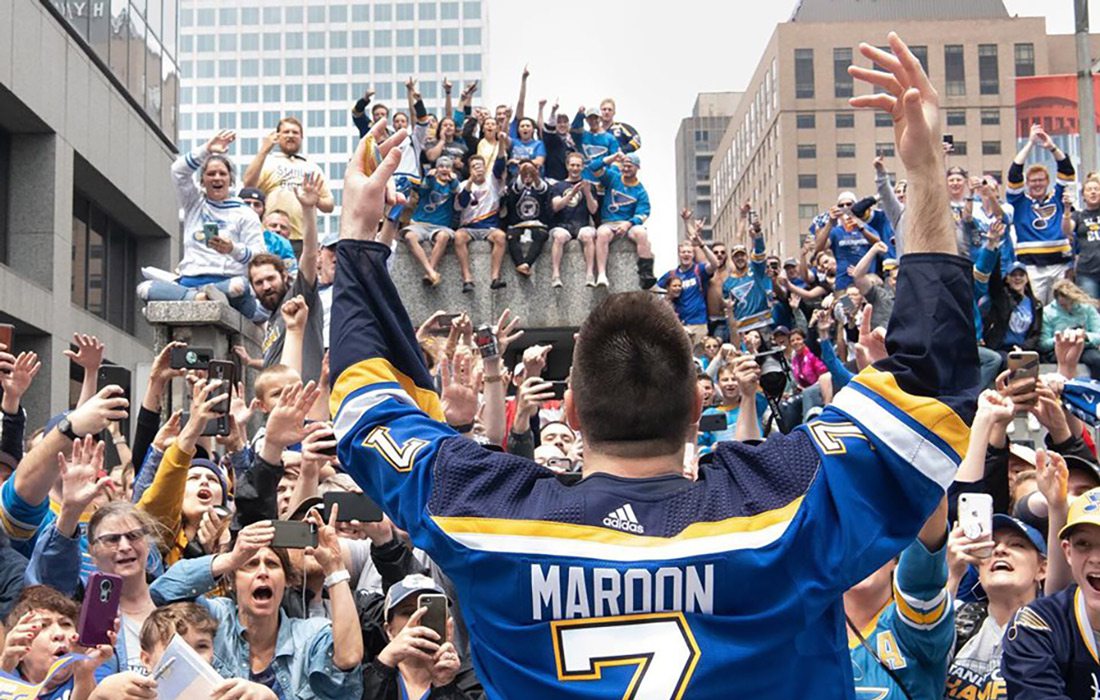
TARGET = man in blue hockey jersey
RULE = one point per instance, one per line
(634, 581)
(748, 290)
(1050, 648)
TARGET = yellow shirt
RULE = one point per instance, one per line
(278, 180)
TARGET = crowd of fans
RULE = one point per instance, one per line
(187, 522)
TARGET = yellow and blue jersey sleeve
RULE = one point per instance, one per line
(924, 615)
(21, 521)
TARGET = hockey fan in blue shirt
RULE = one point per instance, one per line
(635, 582)
(1050, 649)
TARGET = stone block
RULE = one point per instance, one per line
(532, 299)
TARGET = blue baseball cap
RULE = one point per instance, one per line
(1007, 522)
(1016, 267)
(635, 159)
(410, 585)
(331, 238)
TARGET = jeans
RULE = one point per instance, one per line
(1089, 284)
(236, 289)
(515, 248)
(991, 361)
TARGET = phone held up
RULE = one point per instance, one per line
(436, 617)
(99, 609)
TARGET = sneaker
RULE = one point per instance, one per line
(557, 283)
(601, 281)
(498, 283)
(467, 287)
(590, 280)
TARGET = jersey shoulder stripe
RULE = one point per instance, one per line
(932, 415)
(922, 614)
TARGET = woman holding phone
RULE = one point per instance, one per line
(220, 233)
(296, 658)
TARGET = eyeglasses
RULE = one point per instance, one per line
(113, 540)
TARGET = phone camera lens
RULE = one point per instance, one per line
(192, 357)
(104, 591)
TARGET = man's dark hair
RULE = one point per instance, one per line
(633, 378)
(267, 259)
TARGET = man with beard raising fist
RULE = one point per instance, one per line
(272, 286)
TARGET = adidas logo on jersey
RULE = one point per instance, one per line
(623, 518)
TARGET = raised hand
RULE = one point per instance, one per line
(162, 371)
(19, 377)
(285, 424)
(459, 396)
(365, 194)
(79, 474)
(506, 330)
(210, 531)
(240, 689)
(295, 312)
(997, 406)
(412, 643)
(309, 192)
(97, 412)
(89, 352)
(447, 85)
(251, 539)
(873, 341)
(446, 661)
(530, 396)
(1052, 477)
(327, 552)
(219, 142)
(534, 359)
(18, 641)
(879, 164)
(909, 98)
(747, 372)
(526, 72)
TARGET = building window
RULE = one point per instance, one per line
(250, 120)
(845, 150)
(227, 42)
(338, 14)
(845, 120)
(383, 13)
(315, 66)
(405, 11)
(883, 119)
(360, 65)
(471, 9)
(383, 64)
(360, 39)
(293, 16)
(448, 37)
(316, 144)
(338, 92)
(921, 52)
(227, 68)
(471, 62)
(428, 63)
(316, 15)
(337, 40)
(807, 150)
(272, 67)
(315, 40)
(807, 181)
(956, 117)
(104, 258)
(805, 120)
(205, 18)
(989, 76)
(249, 16)
(383, 38)
(448, 10)
(960, 148)
(991, 148)
(250, 93)
(250, 42)
(227, 94)
(204, 42)
(991, 117)
(337, 144)
(807, 211)
(405, 65)
(292, 66)
(292, 93)
(337, 65)
(954, 66)
(471, 36)
(426, 10)
(273, 15)
(804, 73)
(360, 12)
(885, 149)
(273, 94)
(427, 37)
(1025, 59)
(843, 84)
(844, 181)
(449, 62)
(405, 37)
(315, 118)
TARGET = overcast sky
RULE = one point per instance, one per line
(653, 58)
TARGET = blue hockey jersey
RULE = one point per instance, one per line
(1050, 650)
(1039, 237)
(913, 634)
(622, 202)
(661, 587)
(752, 294)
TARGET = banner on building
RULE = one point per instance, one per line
(1051, 100)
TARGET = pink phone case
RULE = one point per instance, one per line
(100, 608)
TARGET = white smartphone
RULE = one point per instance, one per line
(976, 519)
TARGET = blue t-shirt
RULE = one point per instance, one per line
(436, 205)
(691, 307)
(528, 150)
(1018, 323)
(848, 248)
(279, 245)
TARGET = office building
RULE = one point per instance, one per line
(87, 132)
(247, 63)
(696, 140)
(794, 143)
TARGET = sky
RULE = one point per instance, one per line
(653, 58)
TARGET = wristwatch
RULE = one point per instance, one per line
(65, 427)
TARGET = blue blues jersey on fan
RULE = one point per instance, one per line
(622, 202)
(436, 205)
(913, 634)
(661, 587)
(751, 293)
(1039, 237)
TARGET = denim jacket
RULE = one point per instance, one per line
(303, 649)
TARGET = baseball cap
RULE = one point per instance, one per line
(1007, 522)
(305, 506)
(847, 197)
(889, 264)
(635, 159)
(790, 262)
(1016, 267)
(331, 238)
(592, 112)
(252, 193)
(1023, 452)
(1084, 465)
(738, 248)
(781, 330)
(1085, 510)
(410, 585)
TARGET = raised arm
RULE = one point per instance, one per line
(859, 272)
(255, 167)
(519, 102)
(88, 356)
(448, 103)
(309, 195)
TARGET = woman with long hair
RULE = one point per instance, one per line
(1072, 317)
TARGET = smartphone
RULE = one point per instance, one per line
(436, 617)
(949, 139)
(714, 422)
(191, 358)
(209, 231)
(100, 608)
(227, 372)
(353, 506)
(976, 519)
(7, 336)
(486, 341)
(559, 464)
(1024, 364)
(208, 430)
(444, 322)
(114, 374)
(291, 534)
(559, 389)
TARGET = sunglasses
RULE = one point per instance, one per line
(114, 539)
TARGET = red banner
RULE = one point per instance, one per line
(1051, 100)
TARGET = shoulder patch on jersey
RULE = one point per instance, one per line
(1026, 617)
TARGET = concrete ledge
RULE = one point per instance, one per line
(532, 299)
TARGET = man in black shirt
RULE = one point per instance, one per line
(528, 212)
(559, 144)
(574, 203)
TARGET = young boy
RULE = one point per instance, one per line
(729, 407)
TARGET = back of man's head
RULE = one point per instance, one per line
(633, 379)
